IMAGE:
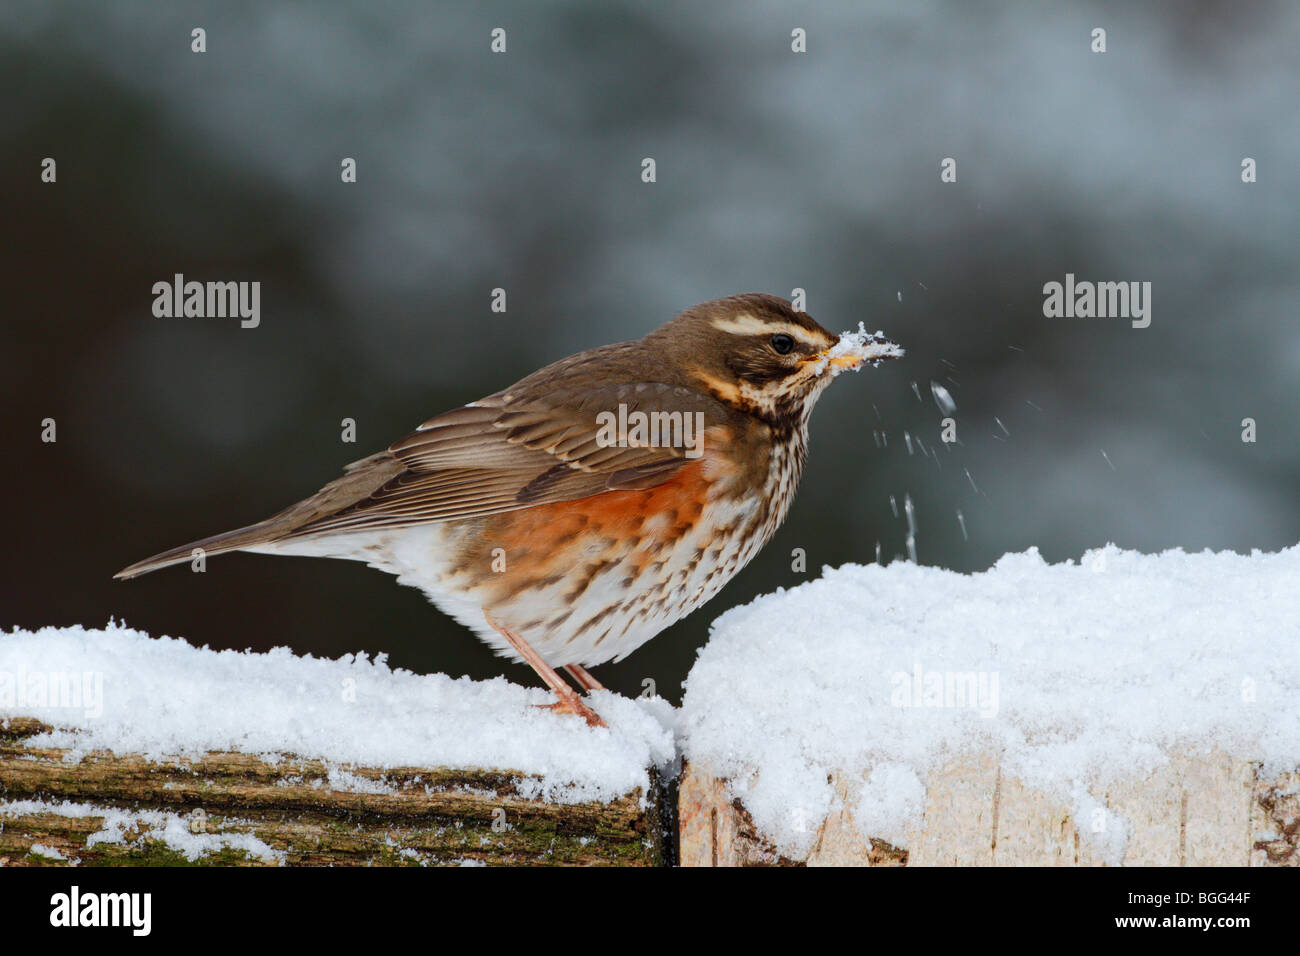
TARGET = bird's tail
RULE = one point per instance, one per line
(259, 533)
(359, 481)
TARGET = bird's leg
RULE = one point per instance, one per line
(583, 677)
(568, 702)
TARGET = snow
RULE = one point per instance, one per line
(49, 852)
(943, 398)
(121, 690)
(1079, 674)
(855, 348)
(124, 826)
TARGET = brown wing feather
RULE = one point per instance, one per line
(534, 443)
(510, 451)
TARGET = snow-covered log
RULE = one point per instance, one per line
(104, 809)
(1125, 709)
(116, 747)
(1213, 811)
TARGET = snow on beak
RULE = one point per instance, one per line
(854, 349)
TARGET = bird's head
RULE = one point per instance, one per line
(757, 353)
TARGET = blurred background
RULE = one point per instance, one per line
(775, 170)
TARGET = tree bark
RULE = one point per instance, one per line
(1207, 809)
(306, 812)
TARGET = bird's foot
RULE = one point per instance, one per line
(574, 705)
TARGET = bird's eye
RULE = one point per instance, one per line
(783, 344)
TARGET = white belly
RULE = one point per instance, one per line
(610, 618)
(590, 633)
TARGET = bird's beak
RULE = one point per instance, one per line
(854, 349)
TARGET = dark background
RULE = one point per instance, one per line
(522, 170)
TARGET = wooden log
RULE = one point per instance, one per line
(298, 812)
(1212, 810)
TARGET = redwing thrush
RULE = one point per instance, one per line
(572, 517)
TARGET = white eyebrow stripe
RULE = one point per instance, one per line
(745, 324)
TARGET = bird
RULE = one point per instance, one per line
(571, 517)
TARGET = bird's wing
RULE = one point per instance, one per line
(512, 450)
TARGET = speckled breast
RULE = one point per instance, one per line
(589, 581)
